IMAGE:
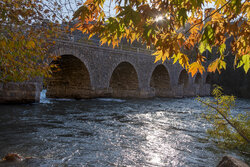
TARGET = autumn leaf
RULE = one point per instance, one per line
(46, 11)
(196, 67)
(182, 58)
(183, 29)
(31, 44)
(245, 62)
(222, 48)
(182, 16)
(81, 12)
(218, 64)
(204, 46)
(160, 55)
(219, 3)
(24, 43)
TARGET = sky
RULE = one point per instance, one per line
(69, 6)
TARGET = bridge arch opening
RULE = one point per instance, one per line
(124, 80)
(208, 79)
(160, 81)
(198, 79)
(183, 78)
(70, 79)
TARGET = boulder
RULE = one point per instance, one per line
(16, 160)
(12, 157)
(228, 161)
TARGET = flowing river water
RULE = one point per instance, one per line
(111, 132)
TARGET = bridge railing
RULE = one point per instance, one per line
(95, 42)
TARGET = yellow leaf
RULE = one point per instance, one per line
(103, 41)
(182, 58)
(213, 66)
(166, 55)
(157, 58)
(3, 43)
(158, 55)
(217, 64)
(245, 62)
(90, 35)
(31, 44)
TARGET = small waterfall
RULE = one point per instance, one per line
(43, 98)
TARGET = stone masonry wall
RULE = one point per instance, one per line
(24, 92)
(119, 73)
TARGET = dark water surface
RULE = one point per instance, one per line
(111, 132)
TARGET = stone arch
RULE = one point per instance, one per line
(198, 79)
(160, 81)
(183, 78)
(124, 80)
(70, 80)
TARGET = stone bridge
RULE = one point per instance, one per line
(88, 71)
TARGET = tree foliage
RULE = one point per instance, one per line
(230, 130)
(27, 28)
(184, 27)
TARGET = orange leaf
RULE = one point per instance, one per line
(195, 67)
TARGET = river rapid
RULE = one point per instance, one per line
(111, 132)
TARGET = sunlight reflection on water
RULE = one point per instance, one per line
(110, 132)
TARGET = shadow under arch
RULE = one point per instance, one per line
(208, 79)
(124, 81)
(70, 79)
(160, 81)
(183, 78)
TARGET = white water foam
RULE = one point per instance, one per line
(64, 99)
(43, 98)
(111, 100)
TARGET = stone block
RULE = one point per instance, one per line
(25, 92)
(11, 86)
(1, 86)
(228, 161)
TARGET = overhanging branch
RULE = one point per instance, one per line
(208, 16)
(228, 121)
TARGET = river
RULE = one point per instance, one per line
(111, 132)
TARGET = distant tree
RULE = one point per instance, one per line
(230, 130)
(172, 27)
(27, 28)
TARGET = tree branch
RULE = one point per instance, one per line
(228, 121)
(208, 16)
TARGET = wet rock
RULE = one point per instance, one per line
(228, 161)
(16, 160)
(12, 157)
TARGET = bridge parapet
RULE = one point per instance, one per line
(96, 42)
